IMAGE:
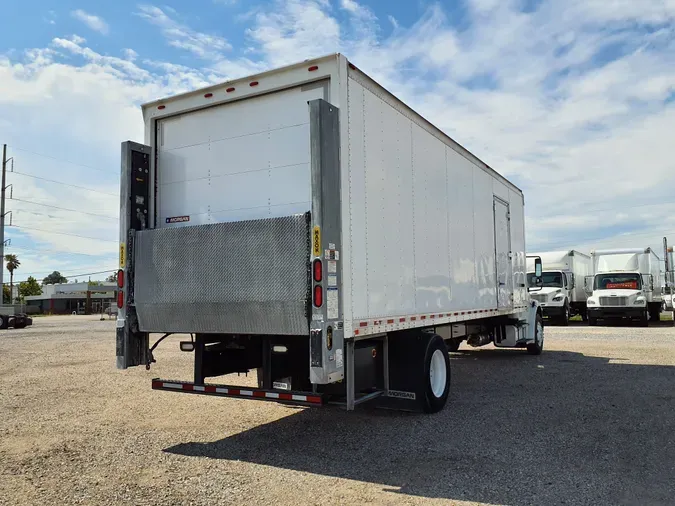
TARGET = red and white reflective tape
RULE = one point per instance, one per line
(373, 326)
(236, 392)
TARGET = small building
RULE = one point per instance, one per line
(79, 298)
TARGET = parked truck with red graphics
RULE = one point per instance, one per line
(627, 284)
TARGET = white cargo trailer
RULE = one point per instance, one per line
(307, 224)
(562, 294)
(626, 283)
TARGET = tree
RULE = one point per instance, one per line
(54, 278)
(12, 264)
(29, 287)
(112, 278)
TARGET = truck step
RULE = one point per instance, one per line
(298, 398)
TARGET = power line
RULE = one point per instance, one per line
(34, 273)
(62, 183)
(29, 250)
(74, 275)
(62, 160)
(63, 233)
(63, 209)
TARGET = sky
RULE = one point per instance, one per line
(573, 100)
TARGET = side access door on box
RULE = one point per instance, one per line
(503, 263)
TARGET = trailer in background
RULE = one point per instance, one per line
(564, 274)
(626, 283)
(306, 224)
(10, 319)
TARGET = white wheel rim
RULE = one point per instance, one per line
(438, 373)
(540, 333)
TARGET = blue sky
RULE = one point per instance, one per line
(571, 99)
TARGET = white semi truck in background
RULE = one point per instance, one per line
(626, 283)
(305, 224)
(563, 293)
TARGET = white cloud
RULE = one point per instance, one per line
(129, 54)
(181, 36)
(94, 22)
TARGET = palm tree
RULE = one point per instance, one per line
(12, 264)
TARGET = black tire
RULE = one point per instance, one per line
(4, 320)
(592, 322)
(655, 316)
(434, 399)
(565, 318)
(644, 319)
(537, 346)
(584, 317)
(453, 344)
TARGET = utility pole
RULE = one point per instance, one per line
(2, 225)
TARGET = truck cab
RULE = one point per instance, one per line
(626, 283)
(619, 295)
(554, 294)
(562, 293)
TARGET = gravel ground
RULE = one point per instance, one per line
(591, 421)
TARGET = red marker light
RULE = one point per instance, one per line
(120, 299)
(318, 296)
(160, 107)
(208, 95)
(229, 90)
(120, 278)
(318, 270)
(254, 83)
(313, 68)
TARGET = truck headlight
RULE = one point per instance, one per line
(558, 298)
(640, 301)
(590, 302)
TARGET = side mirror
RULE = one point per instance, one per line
(537, 267)
(571, 281)
(588, 284)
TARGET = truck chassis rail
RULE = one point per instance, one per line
(298, 398)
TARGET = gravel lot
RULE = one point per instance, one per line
(591, 421)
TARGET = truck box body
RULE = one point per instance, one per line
(411, 201)
(564, 274)
(308, 200)
(622, 278)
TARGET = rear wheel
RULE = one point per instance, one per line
(655, 313)
(565, 318)
(537, 346)
(436, 379)
(3, 321)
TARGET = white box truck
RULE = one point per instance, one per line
(626, 283)
(305, 224)
(563, 291)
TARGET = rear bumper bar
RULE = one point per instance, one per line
(297, 398)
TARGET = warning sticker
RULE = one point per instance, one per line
(178, 219)
(338, 358)
(316, 242)
(332, 303)
(123, 255)
(332, 280)
(332, 267)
